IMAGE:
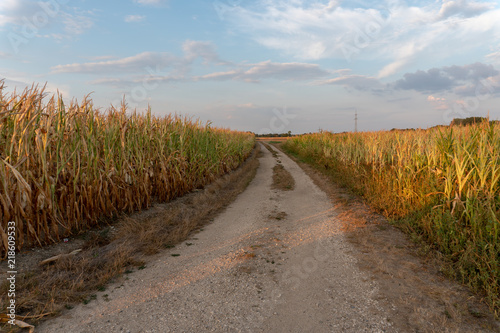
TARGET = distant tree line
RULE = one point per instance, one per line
(274, 135)
(456, 122)
(470, 121)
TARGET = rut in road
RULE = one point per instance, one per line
(273, 261)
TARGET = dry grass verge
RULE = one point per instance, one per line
(411, 276)
(282, 179)
(44, 291)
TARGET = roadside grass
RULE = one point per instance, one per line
(45, 291)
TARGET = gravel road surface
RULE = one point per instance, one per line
(273, 261)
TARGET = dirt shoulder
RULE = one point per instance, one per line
(411, 277)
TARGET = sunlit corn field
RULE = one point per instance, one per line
(441, 185)
(65, 168)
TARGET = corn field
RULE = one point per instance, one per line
(65, 168)
(441, 184)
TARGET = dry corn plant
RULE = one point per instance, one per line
(64, 168)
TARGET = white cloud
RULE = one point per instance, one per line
(462, 80)
(42, 15)
(358, 82)
(76, 24)
(463, 8)
(146, 62)
(439, 103)
(139, 62)
(269, 70)
(129, 64)
(134, 18)
(9, 4)
(221, 76)
(149, 67)
(285, 71)
(332, 4)
(156, 67)
(149, 2)
(312, 32)
(13, 11)
(395, 32)
(494, 57)
(405, 52)
(200, 49)
(255, 73)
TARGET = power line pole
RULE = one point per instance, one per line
(355, 120)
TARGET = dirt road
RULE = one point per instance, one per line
(273, 261)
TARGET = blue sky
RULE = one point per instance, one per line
(263, 65)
